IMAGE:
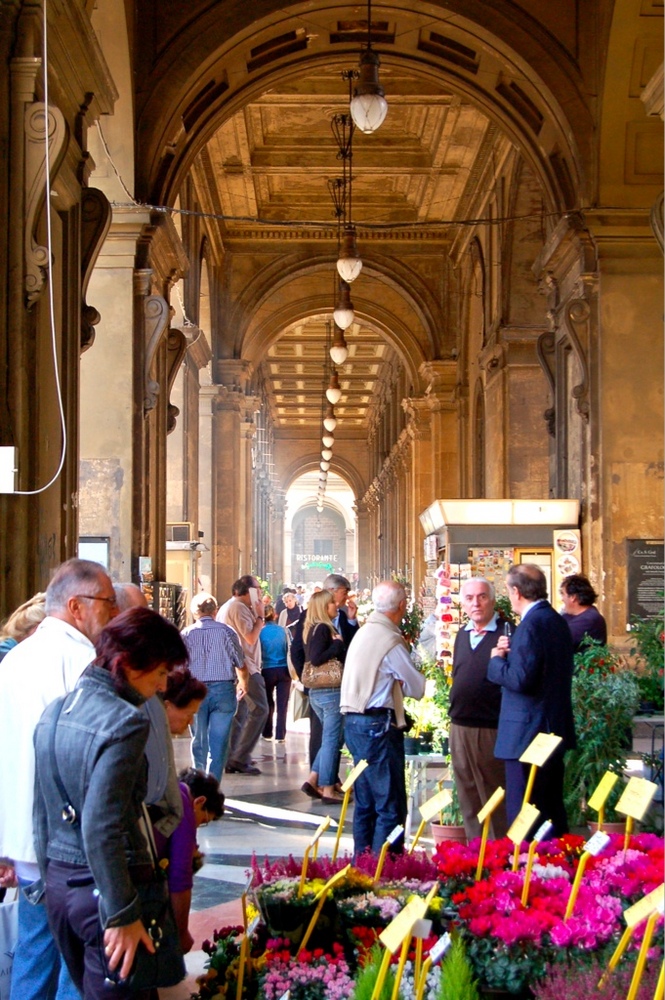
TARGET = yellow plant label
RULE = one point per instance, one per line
(497, 797)
(355, 773)
(636, 797)
(605, 786)
(401, 925)
(643, 909)
(436, 803)
(322, 827)
(522, 823)
(337, 877)
(540, 749)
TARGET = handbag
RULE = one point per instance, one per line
(301, 706)
(328, 675)
(166, 967)
(8, 940)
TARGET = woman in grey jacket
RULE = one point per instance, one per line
(95, 738)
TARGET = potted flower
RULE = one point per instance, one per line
(605, 699)
(648, 634)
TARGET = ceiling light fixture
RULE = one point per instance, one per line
(327, 454)
(328, 440)
(339, 351)
(324, 465)
(333, 392)
(344, 314)
(368, 105)
(349, 264)
(330, 421)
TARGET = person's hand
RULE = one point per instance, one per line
(8, 879)
(351, 609)
(336, 635)
(502, 647)
(186, 941)
(120, 944)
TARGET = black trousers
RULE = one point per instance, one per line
(547, 795)
(73, 913)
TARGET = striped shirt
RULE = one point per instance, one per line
(214, 650)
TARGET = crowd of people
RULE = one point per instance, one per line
(96, 685)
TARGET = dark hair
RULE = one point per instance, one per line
(529, 580)
(579, 586)
(269, 613)
(140, 639)
(242, 585)
(207, 785)
(182, 687)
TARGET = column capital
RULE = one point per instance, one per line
(235, 373)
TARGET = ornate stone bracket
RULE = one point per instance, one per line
(35, 127)
(576, 318)
(657, 221)
(156, 316)
(176, 347)
(95, 224)
(545, 349)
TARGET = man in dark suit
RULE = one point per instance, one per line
(535, 670)
(346, 621)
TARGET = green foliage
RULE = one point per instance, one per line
(457, 981)
(505, 610)
(366, 978)
(648, 634)
(605, 699)
(412, 624)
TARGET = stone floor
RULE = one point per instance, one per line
(269, 815)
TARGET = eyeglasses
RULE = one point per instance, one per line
(94, 597)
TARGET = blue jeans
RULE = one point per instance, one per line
(39, 972)
(325, 702)
(380, 791)
(213, 727)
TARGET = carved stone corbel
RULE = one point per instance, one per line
(156, 316)
(546, 345)
(35, 128)
(576, 318)
(95, 224)
(176, 347)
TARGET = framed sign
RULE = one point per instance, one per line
(645, 576)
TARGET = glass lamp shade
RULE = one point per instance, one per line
(333, 392)
(319, 508)
(343, 313)
(349, 264)
(326, 454)
(328, 440)
(368, 105)
(339, 351)
(324, 465)
(330, 421)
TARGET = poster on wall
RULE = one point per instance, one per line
(566, 557)
(645, 577)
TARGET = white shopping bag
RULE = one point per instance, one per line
(8, 939)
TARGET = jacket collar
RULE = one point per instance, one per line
(99, 675)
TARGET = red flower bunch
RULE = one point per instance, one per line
(363, 939)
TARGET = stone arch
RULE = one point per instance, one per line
(522, 77)
(329, 502)
(310, 462)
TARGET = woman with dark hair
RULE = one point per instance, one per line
(91, 849)
(274, 647)
(583, 618)
(182, 699)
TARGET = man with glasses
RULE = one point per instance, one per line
(80, 601)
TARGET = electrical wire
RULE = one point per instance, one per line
(49, 277)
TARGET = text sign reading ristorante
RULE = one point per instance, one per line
(324, 557)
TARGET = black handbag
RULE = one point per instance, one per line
(166, 967)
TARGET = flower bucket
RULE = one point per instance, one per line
(443, 832)
(411, 746)
(608, 827)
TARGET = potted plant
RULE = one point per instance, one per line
(605, 699)
(648, 634)
(451, 820)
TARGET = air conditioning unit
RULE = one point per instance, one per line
(179, 532)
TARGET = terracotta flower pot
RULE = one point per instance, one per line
(442, 833)
(608, 827)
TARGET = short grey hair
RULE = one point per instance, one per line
(203, 604)
(388, 595)
(128, 595)
(334, 581)
(479, 579)
(70, 579)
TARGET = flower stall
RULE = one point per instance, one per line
(511, 946)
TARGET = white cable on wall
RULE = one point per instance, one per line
(49, 277)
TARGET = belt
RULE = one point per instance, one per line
(375, 711)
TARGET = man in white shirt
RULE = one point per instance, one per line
(378, 672)
(80, 600)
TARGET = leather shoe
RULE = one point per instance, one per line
(311, 790)
(241, 769)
